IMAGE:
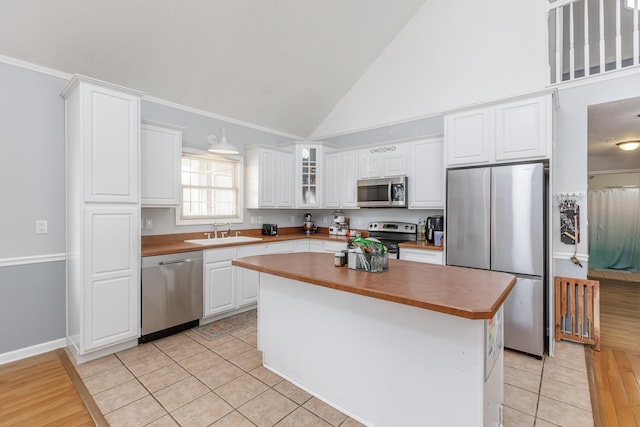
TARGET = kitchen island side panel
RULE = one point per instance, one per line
(382, 363)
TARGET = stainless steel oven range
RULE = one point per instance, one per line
(391, 233)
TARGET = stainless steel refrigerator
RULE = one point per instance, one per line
(495, 220)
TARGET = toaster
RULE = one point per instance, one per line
(269, 229)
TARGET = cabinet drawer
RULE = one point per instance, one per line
(281, 247)
(223, 254)
(422, 255)
(251, 250)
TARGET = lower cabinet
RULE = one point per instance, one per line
(247, 280)
(326, 246)
(219, 284)
(228, 289)
(422, 255)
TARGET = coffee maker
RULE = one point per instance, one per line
(308, 227)
(340, 225)
(434, 223)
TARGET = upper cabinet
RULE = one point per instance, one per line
(308, 178)
(383, 161)
(269, 184)
(341, 175)
(468, 134)
(426, 173)
(107, 122)
(524, 129)
(160, 154)
(517, 130)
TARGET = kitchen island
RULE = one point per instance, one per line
(416, 345)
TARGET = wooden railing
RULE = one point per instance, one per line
(589, 37)
(578, 310)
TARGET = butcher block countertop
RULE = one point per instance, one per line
(420, 244)
(174, 243)
(463, 292)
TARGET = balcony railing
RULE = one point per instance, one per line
(589, 37)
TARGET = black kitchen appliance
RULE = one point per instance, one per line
(269, 229)
(434, 223)
(391, 234)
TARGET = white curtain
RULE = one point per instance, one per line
(614, 228)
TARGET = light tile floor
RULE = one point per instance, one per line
(549, 392)
(190, 381)
(187, 380)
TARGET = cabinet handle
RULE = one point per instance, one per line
(174, 262)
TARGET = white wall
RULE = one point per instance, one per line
(570, 173)
(451, 54)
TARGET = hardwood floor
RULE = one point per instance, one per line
(40, 391)
(616, 367)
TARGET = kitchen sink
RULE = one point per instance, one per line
(224, 240)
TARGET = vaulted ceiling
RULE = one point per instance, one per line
(279, 64)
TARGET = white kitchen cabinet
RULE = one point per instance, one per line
(468, 136)
(349, 179)
(105, 119)
(422, 255)
(111, 296)
(288, 246)
(426, 186)
(219, 281)
(301, 245)
(341, 175)
(383, 161)
(247, 280)
(524, 129)
(308, 167)
(269, 178)
(103, 217)
(516, 130)
(316, 245)
(160, 163)
(333, 175)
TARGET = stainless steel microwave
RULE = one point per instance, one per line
(382, 192)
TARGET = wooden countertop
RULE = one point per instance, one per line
(421, 245)
(174, 243)
(464, 292)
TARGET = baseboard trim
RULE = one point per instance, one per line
(34, 350)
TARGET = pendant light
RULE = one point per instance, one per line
(628, 145)
(219, 145)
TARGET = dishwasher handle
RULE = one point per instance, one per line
(180, 261)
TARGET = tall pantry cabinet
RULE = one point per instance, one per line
(103, 217)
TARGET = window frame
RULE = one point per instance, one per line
(239, 181)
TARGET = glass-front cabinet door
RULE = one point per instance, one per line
(309, 157)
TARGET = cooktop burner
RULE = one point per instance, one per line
(392, 233)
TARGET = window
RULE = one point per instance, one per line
(211, 189)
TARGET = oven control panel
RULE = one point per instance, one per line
(393, 227)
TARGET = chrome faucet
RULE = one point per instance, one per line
(215, 229)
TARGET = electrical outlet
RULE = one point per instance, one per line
(148, 223)
(293, 219)
(41, 226)
(259, 220)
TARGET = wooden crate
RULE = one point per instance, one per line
(578, 310)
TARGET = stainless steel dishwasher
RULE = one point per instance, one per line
(171, 293)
